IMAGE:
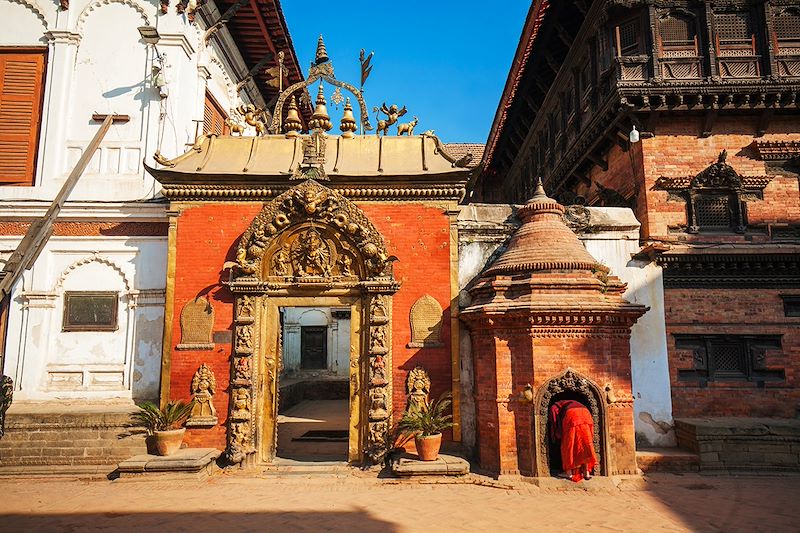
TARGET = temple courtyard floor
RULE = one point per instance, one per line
(355, 501)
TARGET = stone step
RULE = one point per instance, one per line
(667, 460)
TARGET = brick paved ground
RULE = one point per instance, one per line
(357, 503)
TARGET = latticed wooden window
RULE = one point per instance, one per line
(21, 89)
(734, 33)
(214, 117)
(786, 26)
(678, 35)
(729, 357)
(629, 38)
(714, 212)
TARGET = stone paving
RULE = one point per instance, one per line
(358, 502)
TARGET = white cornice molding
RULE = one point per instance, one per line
(177, 40)
(86, 211)
(63, 37)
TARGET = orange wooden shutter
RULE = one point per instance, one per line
(214, 117)
(21, 87)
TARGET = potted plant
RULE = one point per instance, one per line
(164, 426)
(426, 424)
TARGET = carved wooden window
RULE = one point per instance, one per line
(678, 35)
(21, 90)
(786, 27)
(729, 357)
(214, 117)
(734, 34)
(629, 38)
(90, 311)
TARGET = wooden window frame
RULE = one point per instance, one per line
(38, 110)
(705, 366)
(216, 107)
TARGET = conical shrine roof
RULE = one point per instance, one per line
(543, 242)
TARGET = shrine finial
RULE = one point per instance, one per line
(322, 52)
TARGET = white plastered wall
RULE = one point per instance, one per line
(47, 363)
(338, 340)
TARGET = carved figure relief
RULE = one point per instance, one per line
(242, 370)
(426, 322)
(245, 307)
(311, 256)
(378, 371)
(418, 388)
(197, 323)
(377, 340)
(244, 339)
(204, 384)
(377, 409)
(281, 261)
(377, 312)
(241, 404)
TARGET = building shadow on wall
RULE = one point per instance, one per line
(197, 522)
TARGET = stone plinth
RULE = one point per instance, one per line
(407, 465)
(733, 443)
(198, 462)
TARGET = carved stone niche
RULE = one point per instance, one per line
(426, 323)
(197, 323)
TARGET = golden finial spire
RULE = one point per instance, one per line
(320, 119)
(322, 53)
(292, 126)
(348, 124)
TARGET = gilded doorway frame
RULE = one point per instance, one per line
(307, 246)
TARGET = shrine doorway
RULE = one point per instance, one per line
(314, 398)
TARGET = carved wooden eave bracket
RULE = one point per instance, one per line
(776, 150)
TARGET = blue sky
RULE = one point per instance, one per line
(446, 61)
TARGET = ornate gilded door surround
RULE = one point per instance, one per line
(309, 246)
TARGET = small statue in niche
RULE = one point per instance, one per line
(418, 387)
(244, 341)
(239, 432)
(241, 402)
(281, 261)
(203, 387)
(310, 255)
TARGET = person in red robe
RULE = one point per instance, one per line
(572, 426)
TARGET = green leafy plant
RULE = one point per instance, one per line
(429, 420)
(172, 416)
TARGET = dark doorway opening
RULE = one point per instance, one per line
(554, 448)
(313, 347)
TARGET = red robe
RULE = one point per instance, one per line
(572, 424)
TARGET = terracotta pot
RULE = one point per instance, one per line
(428, 447)
(169, 442)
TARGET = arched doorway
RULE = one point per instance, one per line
(310, 247)
(569, 385)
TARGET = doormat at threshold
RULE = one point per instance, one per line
(324, 435)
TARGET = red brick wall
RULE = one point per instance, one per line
(742, 311)
(207, 236)
(677, 150)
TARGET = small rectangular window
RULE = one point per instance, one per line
(90, 311)
(791, 306)
(214, 117)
